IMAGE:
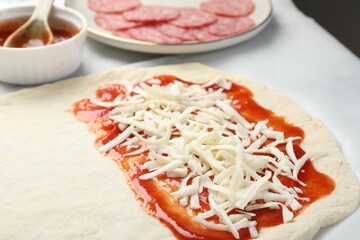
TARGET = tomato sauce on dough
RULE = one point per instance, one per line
(156, 199)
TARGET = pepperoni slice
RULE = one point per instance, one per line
(114, 22)
(151, 14)
(193, 17)
(228, 8)
(113, 6)
(230, 26)
(202, 35)
(151, 34)
(121, 33)
(176, 32)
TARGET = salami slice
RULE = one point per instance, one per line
(230, 26)
(151, 34)
(193, 17)
(176, 32)
(228, 8)
(114, 22)
(151, 14)
(121, 33)
(202, 34)
(113, 6)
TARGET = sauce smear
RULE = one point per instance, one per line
(157, 200)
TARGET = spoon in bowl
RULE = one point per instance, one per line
(36, 31)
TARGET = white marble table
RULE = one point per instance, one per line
(294, 55)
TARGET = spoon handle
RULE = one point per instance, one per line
(42, 9)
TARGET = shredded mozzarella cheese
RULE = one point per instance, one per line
(192, 132)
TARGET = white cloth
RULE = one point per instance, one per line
(294, 55)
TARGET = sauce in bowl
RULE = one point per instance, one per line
(61, 29)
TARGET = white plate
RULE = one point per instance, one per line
(261, 16)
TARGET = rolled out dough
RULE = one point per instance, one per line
(55, 185)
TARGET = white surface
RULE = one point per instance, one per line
(261, 17)
(46, 63)
(294, 55)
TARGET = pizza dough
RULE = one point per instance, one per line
(55, 185)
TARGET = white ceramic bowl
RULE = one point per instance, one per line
(28, 66)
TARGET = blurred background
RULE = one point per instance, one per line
(340, 18)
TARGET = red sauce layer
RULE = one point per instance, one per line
(61, 29)
(157, 200)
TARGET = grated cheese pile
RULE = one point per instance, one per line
(192, 132)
